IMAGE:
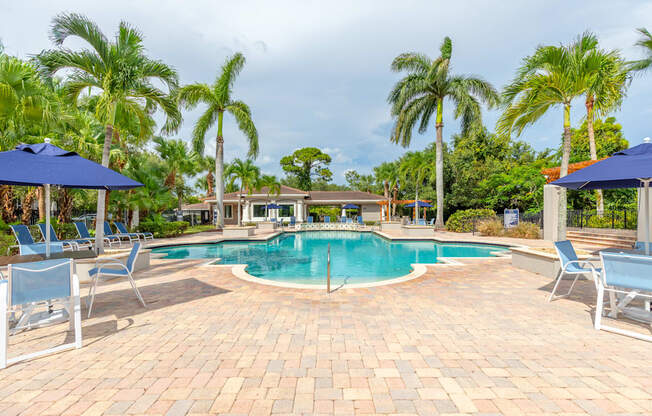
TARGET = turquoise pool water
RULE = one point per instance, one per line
(301, 257)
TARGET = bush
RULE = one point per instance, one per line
(161, 229)
(462, 221)
(524, 230)
(492, 228)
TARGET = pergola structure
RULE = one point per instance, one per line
(385, 209)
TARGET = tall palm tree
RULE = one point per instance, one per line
(273, 188)
(218, 99)
(246, 174)
(605, 74)
(388, 174)
(645, 43)
(118, 71)
(179, 161)
(551, 77)
(416, 167)
(421, 93)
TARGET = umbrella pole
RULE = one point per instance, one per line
(47, 220)
(646, 203)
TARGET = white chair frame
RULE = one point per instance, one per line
(626, 297)
(72, 305)
(581, 263)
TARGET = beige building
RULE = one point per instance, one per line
(295, 203)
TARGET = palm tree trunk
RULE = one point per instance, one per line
(239, 216)
(599, 200)
(439, 165)
(41, 203)
(219, 174)
(7, 203)
(27, 205)
(395, 192)
(65, 206)
(563, 171)
(101, 194)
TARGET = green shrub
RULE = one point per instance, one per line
(249, 224)
(161, 229)
(462, 221)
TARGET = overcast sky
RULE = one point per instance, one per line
(317, 73)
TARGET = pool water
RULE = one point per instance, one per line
(356, 257)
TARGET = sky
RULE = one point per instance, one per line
(318, 73)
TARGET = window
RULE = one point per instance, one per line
(259, 210)
(228, 211)
(286, 211)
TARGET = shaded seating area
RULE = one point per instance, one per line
(27, 245)
(79, 243)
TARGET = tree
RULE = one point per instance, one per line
(645, 43)
(549, 78)
(273, 187)
(118, 71)
(416, 167)
(609, 138)
(179, 161)
(387, 173)
(247, 175)
(358, 182)
(217, 97)
(307, 165)
(421, 93)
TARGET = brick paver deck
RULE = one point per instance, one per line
(473, 339)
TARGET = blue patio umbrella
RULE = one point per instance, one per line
(273, 206)
(421, 204)
(629, 168)
(350, 206)
(44, 164)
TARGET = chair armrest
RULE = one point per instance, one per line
(581, 263)
(117, 263)
(105, 261)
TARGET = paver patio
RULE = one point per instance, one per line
(472, 339)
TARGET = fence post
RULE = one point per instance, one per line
(625, 219)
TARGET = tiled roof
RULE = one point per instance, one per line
(344, 196)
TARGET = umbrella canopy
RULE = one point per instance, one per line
(420, 204)
(46, 164)
(629, 168)
(273, 206)
(350, 206)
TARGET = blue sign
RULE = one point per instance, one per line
(511, 218)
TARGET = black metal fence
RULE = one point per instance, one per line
(614, 219)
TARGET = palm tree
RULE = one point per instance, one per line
(551, 77)
(387, 173)
(179, 161)
(273, 188)
(416, 167)
(605, 74)
(219, 100)
(421, 93)
(118, 71)
(246, 174)
(644, 42)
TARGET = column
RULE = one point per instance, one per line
(551, 213)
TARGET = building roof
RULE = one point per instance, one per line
(317, 196)
(201, 206)
(552, 174)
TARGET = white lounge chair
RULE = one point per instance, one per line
(41, 283)
(627, 275)
(571, 265)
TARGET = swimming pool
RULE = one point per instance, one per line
(356, 257)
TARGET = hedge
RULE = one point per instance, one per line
(462, 221)
(163, 229)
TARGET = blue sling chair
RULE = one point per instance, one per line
(109, 232)
(79, 243)
(310, 219)
(112, 267)
(571, 265)
(39, 284)
(122, 229)
(83, 233)
(27, 245)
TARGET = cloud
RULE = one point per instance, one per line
(318, 73)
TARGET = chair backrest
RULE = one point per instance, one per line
(565, 251)
(343, 219)
(121, 227)
(82, 230)
(310, 219)
(293, 220)
(132, 257)
(627, 270)
(327, 218)
(360, 220)
(422, 221)
(53, 234)
(432, 221)
(22, 234)
(40, 281)
(349, 220)
(107, 228)
(640, 245)
(39, 248)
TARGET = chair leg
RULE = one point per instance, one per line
(572, 285)
(91, 294)
(138, 295)
(4, 323)
(75, 315)
(598, 307)
(554, 289)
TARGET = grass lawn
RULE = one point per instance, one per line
(199, 228)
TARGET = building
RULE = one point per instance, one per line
(295, 203)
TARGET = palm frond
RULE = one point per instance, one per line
(242, 115)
